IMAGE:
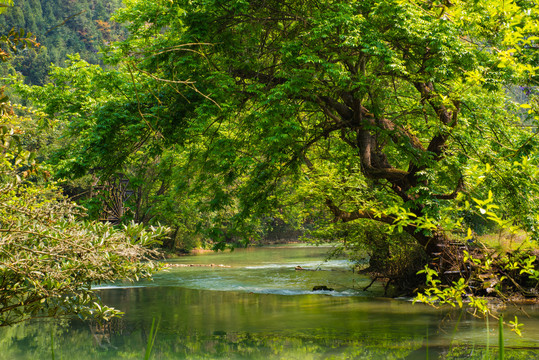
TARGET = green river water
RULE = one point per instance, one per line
(252, 304)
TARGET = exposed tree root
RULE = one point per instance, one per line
(486, 273)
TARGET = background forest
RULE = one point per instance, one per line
(61, 27)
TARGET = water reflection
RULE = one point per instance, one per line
(207, 324)
(234, 322)
(196, 324)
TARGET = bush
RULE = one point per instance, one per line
(49, 256)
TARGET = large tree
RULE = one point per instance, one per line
(393, 111)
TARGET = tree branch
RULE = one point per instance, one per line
(453, 195)
(345, 216)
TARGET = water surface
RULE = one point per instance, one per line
(253, 304)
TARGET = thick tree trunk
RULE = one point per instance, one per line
(444, 255)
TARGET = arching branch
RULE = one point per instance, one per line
(453, 195)
(346, 216)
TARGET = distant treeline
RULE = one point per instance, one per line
(62, 27)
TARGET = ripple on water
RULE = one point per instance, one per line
(277, 276)
(290, 292)
(312, 265)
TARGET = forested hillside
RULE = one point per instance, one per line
(61, 27)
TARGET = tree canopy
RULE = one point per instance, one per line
(419, 115)
(400, 99)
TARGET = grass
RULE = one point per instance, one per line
(52, 345)
(500, 339)
(505, 241)
(151, 339)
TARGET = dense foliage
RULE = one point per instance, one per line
(50, 256)
(419, 116)
(394, 111)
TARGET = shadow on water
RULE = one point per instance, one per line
(243, 312)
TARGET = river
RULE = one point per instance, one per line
(253, 304)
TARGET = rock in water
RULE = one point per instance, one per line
(322, 288)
